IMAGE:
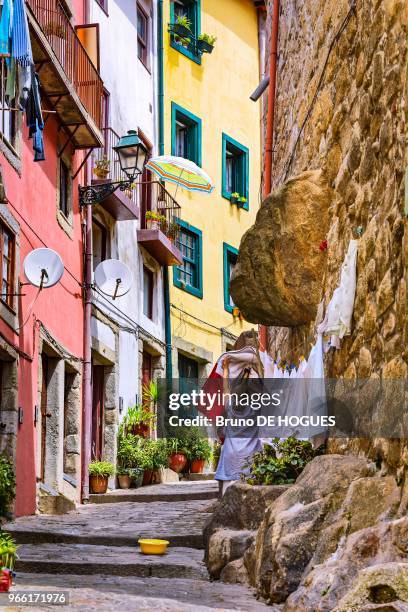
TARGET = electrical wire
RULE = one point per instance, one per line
(29, 310)
(221, 330)
(40, 239)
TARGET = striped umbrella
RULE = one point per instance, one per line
(20, 37)
(181, 171)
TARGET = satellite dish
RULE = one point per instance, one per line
(113, 278)
(43, 268)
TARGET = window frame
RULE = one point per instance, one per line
(198, 235)
(150, 274)
(191, 121)
(227, 140)
(195, 57)
(9, 300)
(68, 188)
(104, 241)
(103, 4)
(146, 44)
(227, 250)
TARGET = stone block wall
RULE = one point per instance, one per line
(342, 94)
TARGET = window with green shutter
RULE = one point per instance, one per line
(188, 275)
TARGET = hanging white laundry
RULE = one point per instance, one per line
(337, 322)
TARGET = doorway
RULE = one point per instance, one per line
(98, 412)
(45, 373)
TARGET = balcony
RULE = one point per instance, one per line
(159, 237)
(121, 205)
(69, 80)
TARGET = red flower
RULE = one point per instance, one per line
(323, 246)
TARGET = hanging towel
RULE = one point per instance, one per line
(337, 322)
(34, 117)
(21, 43)
(5, 28)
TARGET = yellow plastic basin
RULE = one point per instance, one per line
(153, 547)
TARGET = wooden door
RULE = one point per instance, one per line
(98, 394)
(44, 412)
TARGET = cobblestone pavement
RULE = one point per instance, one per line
(93, 553)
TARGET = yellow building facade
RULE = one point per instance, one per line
(209, 118)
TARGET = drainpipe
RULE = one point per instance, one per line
(269, 130)
(87, 370)
(166, 289)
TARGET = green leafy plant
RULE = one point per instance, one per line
(235, 195)
(137, 415)
(150, 393)
(215, 454)
(7, 485)
(280, 462)
(183, 20)
(208, 38)
(176, 445)
(8, 550)
(102, 469)
(153, 454)
(129, 450)
(199, 448)
(151, 215)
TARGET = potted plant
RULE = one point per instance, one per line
(102, 168)
(8, 551)
(234, 197)
(99, 473)
(54, 29)
(176, 454)
(182, 28)
(241, 202)
(124, 477)
(205, 43)
(138, 420)
(7, 486)
(136, 476)
(154, 220)
(199, 452)
(159, 457)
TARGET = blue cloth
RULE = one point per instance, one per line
(20, 37)
(34, 116)
(5, 28)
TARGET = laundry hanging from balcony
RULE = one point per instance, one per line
(15, 49)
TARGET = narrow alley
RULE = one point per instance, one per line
(93, 552)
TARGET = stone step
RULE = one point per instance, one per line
(117, 524)
(80, 559)
(199, 477)
(169, 492)
(96, 592)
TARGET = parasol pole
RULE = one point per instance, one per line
(175, 195)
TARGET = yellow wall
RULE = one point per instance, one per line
(217, 91)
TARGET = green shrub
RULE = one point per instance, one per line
(8, 550)
(280, 462)
(7, 485)
(103, 469)
(199, 448)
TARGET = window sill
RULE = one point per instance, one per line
(188, 289)
(192, 56)
(9, 316)
(11, 155)
(65, 223)
(227, 196)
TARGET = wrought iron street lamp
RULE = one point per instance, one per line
(132, 156)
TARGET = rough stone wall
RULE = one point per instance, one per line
(341, 107)
(352, 102)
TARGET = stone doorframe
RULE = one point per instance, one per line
(63, 433)
(9, 401)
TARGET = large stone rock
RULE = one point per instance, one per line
(289, 535)
(323, 587)
(277, 279)
(226, 545)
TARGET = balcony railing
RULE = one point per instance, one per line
(115, 173)
(76, 63)
(155, 198)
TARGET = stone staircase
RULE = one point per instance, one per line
(93, 552)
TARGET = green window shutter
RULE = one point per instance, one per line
(230, 255)
(235, 169)
(189, 275)
(193, 131)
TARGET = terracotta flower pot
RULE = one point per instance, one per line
(124, 481)
(197, 466)
(147, 477)
(98, 484)
(177, 461)
(5, 580)
(140, 430)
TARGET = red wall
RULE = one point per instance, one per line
(33, 203)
